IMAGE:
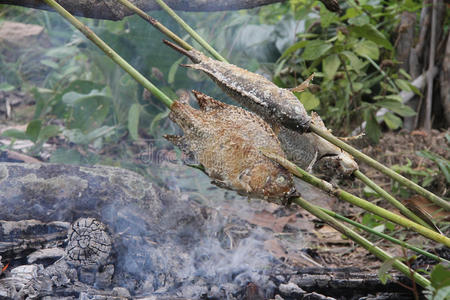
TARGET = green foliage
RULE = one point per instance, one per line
(377, 223)
(346, 53)
(440, 283)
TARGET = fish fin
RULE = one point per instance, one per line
(176, 140)
(180, 142)
(193, 54)
(206, 102)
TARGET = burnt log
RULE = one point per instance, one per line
(113, 10)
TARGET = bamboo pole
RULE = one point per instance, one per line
(166, 31)
(343, 195)
(385, 170)
(191, 31)
(403, 209)
(378, 252)
(384, 236)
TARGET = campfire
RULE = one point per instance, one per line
(114, 235)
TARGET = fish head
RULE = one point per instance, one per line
(188, 118)
(336, 165)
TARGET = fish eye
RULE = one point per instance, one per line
(280, 179)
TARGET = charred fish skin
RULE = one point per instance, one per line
(226, 140)
(274, 104)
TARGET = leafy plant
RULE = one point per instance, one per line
(346, 53)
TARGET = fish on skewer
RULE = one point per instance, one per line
(282, 110)
(226, 140)
(275, 105)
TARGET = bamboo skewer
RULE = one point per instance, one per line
(384, 236)
(191, 31)
(403, 209)
(378, 166)
(343, 195)
(382, 255)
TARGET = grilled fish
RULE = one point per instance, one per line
(225, 140)
(282, 110)
(275, 105)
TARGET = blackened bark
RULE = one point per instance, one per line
(113, 10)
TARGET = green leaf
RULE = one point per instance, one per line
(383, 271)
(440, 276)
(48, 132)
(368, 48)
(403, 85)
(133, 120)
(370, 32)
(33, 129)
(315, 49)
(294, 48)
(373, 130)
(173, 70)
(392, 121)
(397, 107)
(355, 62)
(50, 63)
(327, 17)
(14, 133)
(360, 20)
(330, 65)
(308, 100)
(442, 294)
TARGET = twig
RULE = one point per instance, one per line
(111, 53)
(378, 252)
(366, 205)
(429, 100)
(191, 31)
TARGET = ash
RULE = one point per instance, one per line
(110, 234)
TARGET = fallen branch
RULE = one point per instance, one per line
(112, 10)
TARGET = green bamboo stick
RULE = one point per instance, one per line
(111, 53)
(166, 31)
(373, 163)
(343, 195)
(383, 235)
(191, 31)
(403, 209)
(384, 256)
